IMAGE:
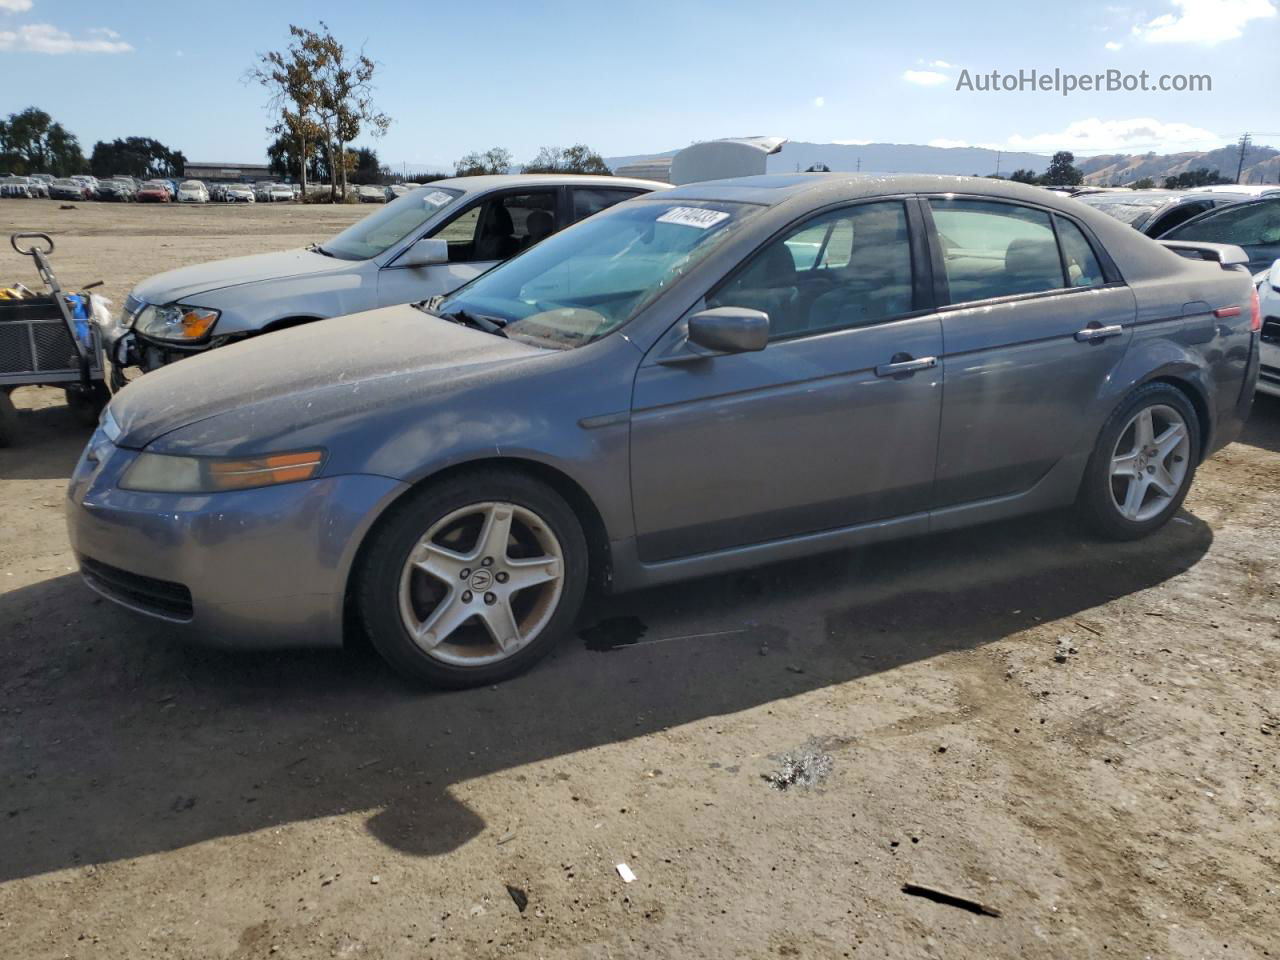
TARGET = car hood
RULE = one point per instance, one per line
(186, 283)
(288, 379)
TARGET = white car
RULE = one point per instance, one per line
(1269, 301)
(13, 186)
(238, 193)
(428, 242)
(279, 192)
(192, 191)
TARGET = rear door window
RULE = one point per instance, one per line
(588, 201)
(995, 249)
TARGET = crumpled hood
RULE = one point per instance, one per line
(176, 286)
(293, 377)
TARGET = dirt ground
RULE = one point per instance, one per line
(158, 800)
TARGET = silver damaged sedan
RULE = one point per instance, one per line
(703, 379)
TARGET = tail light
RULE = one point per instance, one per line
(1255, 320)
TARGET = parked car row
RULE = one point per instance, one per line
(626, 401)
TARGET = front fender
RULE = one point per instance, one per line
(252, 307)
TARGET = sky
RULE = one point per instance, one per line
(631, 78)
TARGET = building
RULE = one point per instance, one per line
(227, 172)
(709, 160)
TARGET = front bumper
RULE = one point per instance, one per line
(264, 568)
(1269, 373)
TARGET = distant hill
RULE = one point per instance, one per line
(1262, 164)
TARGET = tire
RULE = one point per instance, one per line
(460, 606)
(87, 407)
(8, 419)
(1162, 467)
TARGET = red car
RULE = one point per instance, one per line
(153, 193)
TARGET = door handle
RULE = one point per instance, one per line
(903, 363)
(1099, 333)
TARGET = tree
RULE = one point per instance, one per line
(367, 168)
(576, 159)
(290, 78)
(1146, 183)
(1200, 177)
(493, 160)
(136, 157)
(341, 93)
(1062, 170)
(1024, 176)
(31, 142)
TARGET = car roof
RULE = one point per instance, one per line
(500, 181)
(820, 188)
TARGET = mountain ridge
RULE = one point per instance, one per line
(1262, 164)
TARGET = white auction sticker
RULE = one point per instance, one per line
(693, 217)
(437, 198)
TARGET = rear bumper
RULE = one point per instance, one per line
(264, 568)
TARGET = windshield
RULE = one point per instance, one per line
(381, 231)
(192, 185)
(1249, 224)
(584, 283)
(1128, 210)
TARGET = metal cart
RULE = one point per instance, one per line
(41, 345)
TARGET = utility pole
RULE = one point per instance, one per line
(859, 170)
(1245, 141)
(997, 163)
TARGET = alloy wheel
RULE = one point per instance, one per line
(1149, 462)
(481, 583)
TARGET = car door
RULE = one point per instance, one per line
(481, 235)
(1254, 225)
(1035, 322)
(833, 424)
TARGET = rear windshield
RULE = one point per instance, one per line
(1128, 210)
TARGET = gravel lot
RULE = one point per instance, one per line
(161, 800)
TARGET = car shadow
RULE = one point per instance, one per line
(47, 444)
(1262, 429)
(121, 741)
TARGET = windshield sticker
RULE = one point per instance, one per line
(437, 198)
(693, 217)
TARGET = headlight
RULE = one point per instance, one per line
(176, 323)
(160, 473)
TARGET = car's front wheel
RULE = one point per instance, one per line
(1143, 463)
(472, 580)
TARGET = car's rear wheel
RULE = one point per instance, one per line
(472, 580)
(1143, 463)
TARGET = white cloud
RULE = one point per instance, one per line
(948, 144)
(925, 78)
(1102, 136)
(1206, 22)
(819, 101)
(46, 38)
(942, 64)
(15, 6)
(1112, 45)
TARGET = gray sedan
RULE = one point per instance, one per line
(696, 381)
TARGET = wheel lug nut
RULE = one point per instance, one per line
(487, 562)
(502, 577)
(466, 572)
(1151, 469)
(466, 596)
(490, 598)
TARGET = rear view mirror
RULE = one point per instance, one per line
(730, 329)
(424, 253)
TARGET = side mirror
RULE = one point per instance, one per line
(730, 329)
(424, 253)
